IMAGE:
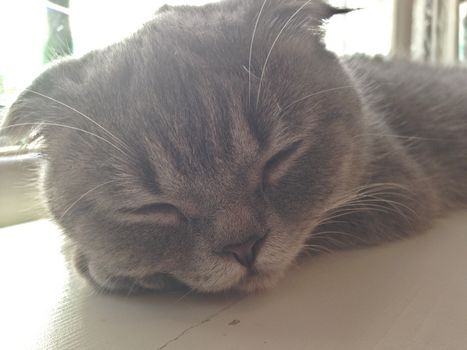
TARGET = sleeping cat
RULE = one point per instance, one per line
(218, 143)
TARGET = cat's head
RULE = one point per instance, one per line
(202, 150)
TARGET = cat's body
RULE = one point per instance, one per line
(218, 143)
(425, 107)
(418, 119)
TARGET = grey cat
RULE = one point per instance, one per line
(218, 143)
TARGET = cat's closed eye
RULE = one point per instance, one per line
(276, 167)
(164, 213)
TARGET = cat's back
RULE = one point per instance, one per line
(429, 98)
(425, 107)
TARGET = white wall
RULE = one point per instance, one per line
(121, 19)
(368, 30)
(98, 23)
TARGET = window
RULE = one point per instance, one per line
(463, 31)
(435, 31)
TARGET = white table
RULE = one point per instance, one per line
(405, 295)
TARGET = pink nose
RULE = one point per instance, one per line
(244, 253)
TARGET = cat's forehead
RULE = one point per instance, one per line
(189, 104)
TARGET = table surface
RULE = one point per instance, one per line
(409, 294)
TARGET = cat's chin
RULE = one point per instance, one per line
(258, 282)
(244, 281)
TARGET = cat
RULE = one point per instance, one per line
(218, 144)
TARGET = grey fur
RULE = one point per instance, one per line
(167, 147)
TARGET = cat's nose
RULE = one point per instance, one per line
(244, 253)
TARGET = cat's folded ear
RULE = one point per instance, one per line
(164, 8)
(302, 14)
(35, 109)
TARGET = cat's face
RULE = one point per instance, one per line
(172, 158)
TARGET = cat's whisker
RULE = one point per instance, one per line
(321, 234)
(366, 198)
(102, 286)
(330, 220)
(84, 195)
(132, 288)
(251, 50)
(349, 209)
(392, 203)
(369, 205)
(410, 138)
(339, 243)
(318, 248)
(369, 190)
(80, 113)
(263, 70)
(316, 94)
(396, 210)
(375, 196)
(345, 211)
(361, 207)
(190, 291)
(386, 193)
(68, 127)
(220, 275)
(382, 185)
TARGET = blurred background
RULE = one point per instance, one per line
(33, 33)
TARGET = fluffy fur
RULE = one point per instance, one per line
(229, 123)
